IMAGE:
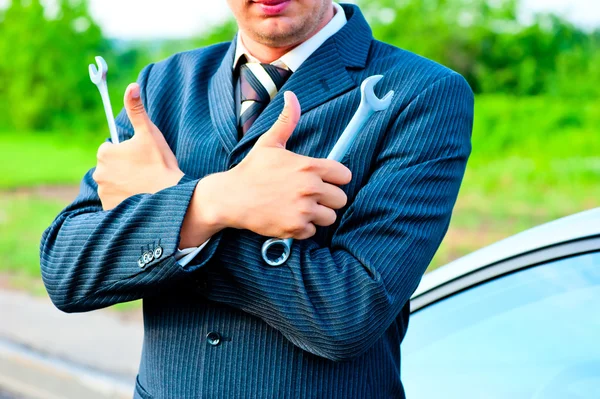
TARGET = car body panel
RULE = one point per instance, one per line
(571, 228)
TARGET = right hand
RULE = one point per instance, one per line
(275, 192)
(143, 164)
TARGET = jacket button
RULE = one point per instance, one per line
(158, 251)
(200, 286)
(213, 338)
(148, 257)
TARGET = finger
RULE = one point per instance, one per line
(308, 232)
(135, 109)
(282, 129)
(332, 196)
(324, 216)
(104, 151)
(333, 172)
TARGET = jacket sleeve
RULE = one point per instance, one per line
(89, 257)
(335, 301)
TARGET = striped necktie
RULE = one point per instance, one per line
(259, 83)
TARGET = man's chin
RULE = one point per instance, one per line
(279, 37)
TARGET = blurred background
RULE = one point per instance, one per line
(534, 66)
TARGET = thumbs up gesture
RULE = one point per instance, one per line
(273, 192)
(143, 164)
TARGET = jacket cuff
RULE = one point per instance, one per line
(186, 179)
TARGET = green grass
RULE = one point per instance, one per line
(23, 218)
(533, 160)
(22, 221)
(30, 159)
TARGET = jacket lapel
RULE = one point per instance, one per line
(323, 75)
(221, 99)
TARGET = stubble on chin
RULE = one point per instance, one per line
(290, 36)
(280, 38)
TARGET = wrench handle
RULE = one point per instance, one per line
(112, 127)
(358, 121)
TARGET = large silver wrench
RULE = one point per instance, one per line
(369, 104)
(98, 77)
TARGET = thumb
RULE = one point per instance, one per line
(280, 132)
(135, 109)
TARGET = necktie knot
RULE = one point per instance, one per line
(259, 83)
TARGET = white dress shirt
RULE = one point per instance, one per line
(292, 60)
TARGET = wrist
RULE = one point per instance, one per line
(203, 218)
(207, 204)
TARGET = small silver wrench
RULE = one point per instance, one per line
(98, 77)
(369, 104)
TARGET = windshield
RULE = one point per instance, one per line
(531, 334)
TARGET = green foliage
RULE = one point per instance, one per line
(44, 83)
(535, 141)
(534, 159)
(223, 32)
(44, 80)
(42, 63)
(487, 43)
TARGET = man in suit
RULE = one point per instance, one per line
(212, 163)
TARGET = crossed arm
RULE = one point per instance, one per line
(335, 301)
(327, 299)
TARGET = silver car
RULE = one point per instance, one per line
(517, 319)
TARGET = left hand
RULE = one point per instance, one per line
(143, 164)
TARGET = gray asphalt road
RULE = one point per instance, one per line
(97, 340)
(8, 395)
(45, 353)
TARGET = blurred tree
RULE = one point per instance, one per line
(44, 54)
(486, 42)
(222, 32)
(43, 59)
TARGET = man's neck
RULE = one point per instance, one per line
(267, 54)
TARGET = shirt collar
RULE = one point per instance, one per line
(296, 56)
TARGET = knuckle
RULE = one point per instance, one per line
(307, 210)
(97, 176)
(103, 151)
(138, 108)
(308, 165)
(295, 228)
(283, 118)
(309, 189)
(310, 231)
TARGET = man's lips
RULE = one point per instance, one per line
(272, 7)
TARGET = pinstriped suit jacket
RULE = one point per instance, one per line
(327, 324)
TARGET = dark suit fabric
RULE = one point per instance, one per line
(328, 323)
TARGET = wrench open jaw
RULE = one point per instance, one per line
(367, 91)
(98, 75)
(369, 104)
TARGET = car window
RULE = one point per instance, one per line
(531, 334)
